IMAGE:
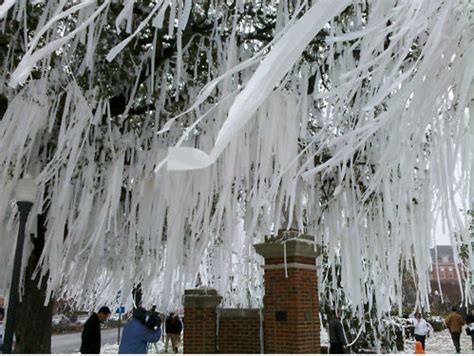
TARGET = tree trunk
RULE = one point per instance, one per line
(33, 325)
(137, 295)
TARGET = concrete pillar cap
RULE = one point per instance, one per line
(201, 298)
(200, 291)
(300, 245)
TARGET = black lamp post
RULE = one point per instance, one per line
(25, 194)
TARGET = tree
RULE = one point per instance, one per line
(334, 115)
(113, 83)
(32, 315)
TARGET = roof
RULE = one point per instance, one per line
(442, 250)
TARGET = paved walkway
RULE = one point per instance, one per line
(70, 343)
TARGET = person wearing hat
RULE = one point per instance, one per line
(141, 330)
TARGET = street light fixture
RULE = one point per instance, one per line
(25, 194)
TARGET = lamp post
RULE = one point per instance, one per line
(25, 194)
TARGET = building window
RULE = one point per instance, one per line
(441, 270)
(445, 259)
(451, 274)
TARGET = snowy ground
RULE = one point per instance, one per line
(158, 348)
(439, 343)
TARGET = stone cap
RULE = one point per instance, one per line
(200, 291)
(296, 245)
(201, 298)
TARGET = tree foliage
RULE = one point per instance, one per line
(343, 130)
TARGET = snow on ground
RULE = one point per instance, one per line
(157, 348)
(439, 343)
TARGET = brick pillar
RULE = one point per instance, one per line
(291, 305)
(200, 321)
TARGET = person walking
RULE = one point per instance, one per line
(454, 321)
(91, 332)
(143, 329)
(337, 339)
(470, 325)
(422, 329)
(173, 332)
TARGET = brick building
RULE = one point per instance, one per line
(444, 269)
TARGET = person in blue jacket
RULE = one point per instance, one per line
(143, 329)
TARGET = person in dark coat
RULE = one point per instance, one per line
(91, 332)
(143, 329)
(337, 339)
(470, 325)
(173, 331)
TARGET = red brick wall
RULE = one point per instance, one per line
(239, 331)
(297, 296)
(291, 308)
(199, 335)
